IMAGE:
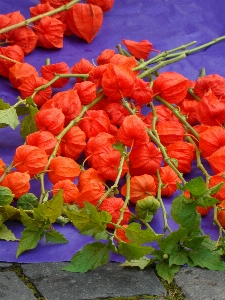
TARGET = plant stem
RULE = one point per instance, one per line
(127, 199)
(115, 185)
(155, 138)
(179, 116)
(198, 158)
(7, 170)
(122, 51)
(190, 91)
(159, 197)
(56, 77)
(161, 65)
(36, 18)
(60, 136)
(190, 51)
(162, 55)
(10, 59)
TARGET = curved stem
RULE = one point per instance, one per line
(179, 116)
(60, 136)
(161, 65)
(36, 18)
(166, 226)
(115, 185)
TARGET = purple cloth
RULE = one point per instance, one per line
(167, 24)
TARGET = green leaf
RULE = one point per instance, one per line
(89, 258)
(195, 242)
(9, 212)
(30, 101)
(206, 258)
(189, 217)
(209, 244)
(28, 124)
(133, 251)
(89, 221)
(120, 147)
(3, 105)
(29, 240)
(196, 186)
(177, 205)
(141, 263)
(215, 188)
(8, 116)
(22, 110)
(179, 257)
(171, 242)
(6, 196)
(50, 210)
(139, 236)
(206, 201)
(28, 221)
(27, 201)
(54, 237)
(146, 208)
(184, 213)
(7, 234)
(165, 271)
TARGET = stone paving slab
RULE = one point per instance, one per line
(201, 284)
(110, 280)
(11, 287)
(5, 265)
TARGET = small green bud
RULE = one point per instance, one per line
(165, 256)
(147, 207)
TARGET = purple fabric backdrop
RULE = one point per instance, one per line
(167, 24)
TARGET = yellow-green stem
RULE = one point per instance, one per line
(36, 18)
(179, 116)
(115, 185)
(159, 197)
(161, 65)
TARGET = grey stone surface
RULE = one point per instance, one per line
(5, 265)
(11, 287)
(201, 284)
(110, 280)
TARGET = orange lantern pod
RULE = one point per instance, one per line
(62, 168)
(105, 56)
(14, 52)
(87, 175)
(94, 122)
(30, 159)
(140, 49)
(113, 206)
(85, 20)
(49, 72)
(171, 86)
(211, 140)
(105, 5)
(73, 143)
(50, 32)
(51, 119)
(19, 72)
(145, 159)
(70, 190)
(133, 132)
(91, 192)
(17, 182)
(28, 87)
(42, 139)
(117, 82)
(107, 162)
(68, 102)
(140, 187)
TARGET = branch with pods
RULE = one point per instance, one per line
(113, 148)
